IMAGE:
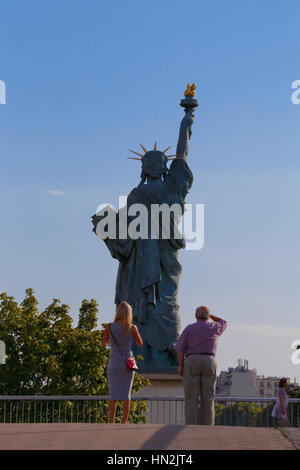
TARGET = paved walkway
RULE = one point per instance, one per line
(293, 435)
(139, 436)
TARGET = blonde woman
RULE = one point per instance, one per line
(119, 335)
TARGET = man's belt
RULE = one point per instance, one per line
(206, 354)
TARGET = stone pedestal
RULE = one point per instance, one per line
(167, 404)
(164, 385)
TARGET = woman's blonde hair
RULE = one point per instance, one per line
(124, 315)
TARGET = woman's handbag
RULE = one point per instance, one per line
(131, 364)
(129, 361)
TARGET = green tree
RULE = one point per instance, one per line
(47, 355)
(294, 408)
(293, 392)
(243, 414)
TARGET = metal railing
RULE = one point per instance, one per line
(229, 411)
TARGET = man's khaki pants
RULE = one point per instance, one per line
(199, 377)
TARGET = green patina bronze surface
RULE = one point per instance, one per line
(149, 270)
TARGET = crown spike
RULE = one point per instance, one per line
(155, 146)
(174, 155)
(136, 153)
(134, 158)
(164, 151)
(145, 150)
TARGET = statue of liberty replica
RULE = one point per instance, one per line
(149, 270)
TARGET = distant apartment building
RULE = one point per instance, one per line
(244, 382)
(267, 386)
(237, 382)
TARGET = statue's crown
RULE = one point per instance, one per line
(141, 156)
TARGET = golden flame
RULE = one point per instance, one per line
(190, 90)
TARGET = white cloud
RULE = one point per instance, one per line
(56, 192)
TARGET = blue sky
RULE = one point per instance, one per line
(86, 80)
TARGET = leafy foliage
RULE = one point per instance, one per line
(46, 355)
(244, 414)
(293, 392)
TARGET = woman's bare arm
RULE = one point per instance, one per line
(281, 398)
(105, 336)
(136, 335)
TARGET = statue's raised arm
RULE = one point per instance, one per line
(185, 131)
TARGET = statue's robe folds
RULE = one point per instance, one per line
(149, 270)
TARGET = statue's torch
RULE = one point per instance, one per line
(189, 103)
